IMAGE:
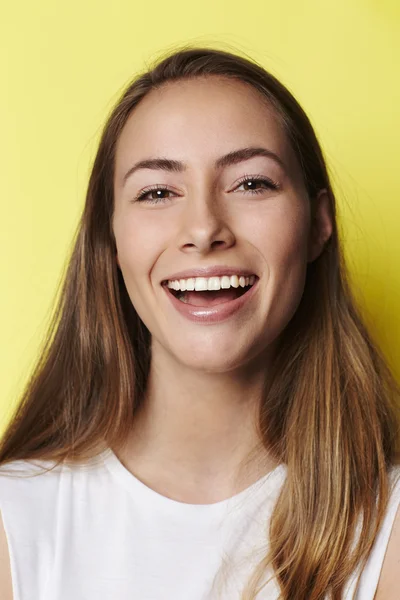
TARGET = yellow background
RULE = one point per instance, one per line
(63, 64)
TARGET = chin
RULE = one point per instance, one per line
(212, 361)
(216, 353)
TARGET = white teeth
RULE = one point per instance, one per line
(200, 283)
(235, 281)
(211, 283)
(214, 283)
(225, 282)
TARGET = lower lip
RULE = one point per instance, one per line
(216, 313)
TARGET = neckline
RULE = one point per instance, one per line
(140, 491)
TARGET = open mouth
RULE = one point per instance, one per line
(210, 297)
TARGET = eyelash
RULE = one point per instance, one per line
(273, 185)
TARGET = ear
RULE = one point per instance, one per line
(321, 225)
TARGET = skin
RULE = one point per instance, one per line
(206, 380)
(389, 580)
(199, 420)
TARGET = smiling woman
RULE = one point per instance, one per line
(209, 418)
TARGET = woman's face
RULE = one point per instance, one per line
(207, 217)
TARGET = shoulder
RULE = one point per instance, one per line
(9, 492)
(20, 478)
(6, 592)
(33, 486)
(389, 579)
(32, 494)
(28, 494)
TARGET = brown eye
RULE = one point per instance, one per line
(156, 195)
(252, 184)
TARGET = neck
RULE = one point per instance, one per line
(196, 435)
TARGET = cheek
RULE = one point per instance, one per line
(138, 247)
(282, 241)
(138, 242)
(281, 237)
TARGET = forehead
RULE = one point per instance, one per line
(200, 119)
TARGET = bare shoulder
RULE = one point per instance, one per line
(6, 592)
(389, 580)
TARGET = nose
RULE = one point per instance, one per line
(205, 225)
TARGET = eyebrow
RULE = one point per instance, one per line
(176, 166)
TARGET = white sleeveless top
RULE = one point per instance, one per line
(96, 532)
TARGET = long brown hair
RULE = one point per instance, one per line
(330, 413)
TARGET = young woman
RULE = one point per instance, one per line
(209, 417)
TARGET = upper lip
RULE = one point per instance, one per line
(215, 271)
